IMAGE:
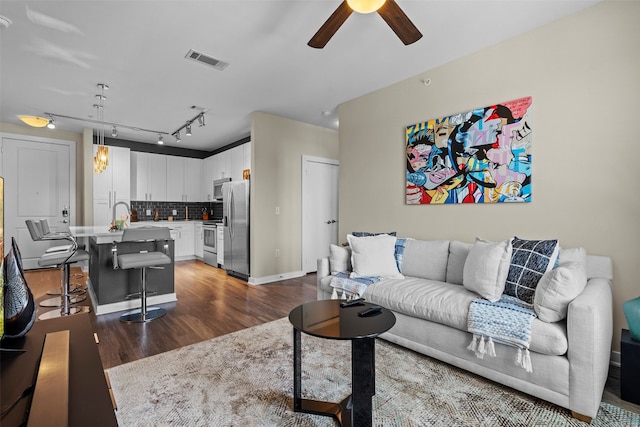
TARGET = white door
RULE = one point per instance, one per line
(319, 209)
(39, 183)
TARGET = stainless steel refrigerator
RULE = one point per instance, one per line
(235, 206)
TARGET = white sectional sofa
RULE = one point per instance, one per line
(569, 357)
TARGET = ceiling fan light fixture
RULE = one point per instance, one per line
(34, 121)
(365, 6)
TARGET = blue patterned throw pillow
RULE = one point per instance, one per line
(530, 259)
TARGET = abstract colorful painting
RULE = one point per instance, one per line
(480, 156)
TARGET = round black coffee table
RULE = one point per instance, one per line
(326, 319)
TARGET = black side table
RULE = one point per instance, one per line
(326, 319)
(629, 368)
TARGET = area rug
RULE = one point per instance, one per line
(246, 379)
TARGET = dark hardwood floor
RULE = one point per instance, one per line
(211, 304)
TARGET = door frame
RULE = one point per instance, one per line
(306, 200)
(72, 145)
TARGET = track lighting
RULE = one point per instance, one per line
(177, 135)
(114, 132)
(189, 129)
(201, 120)
(160, 139)
(51, 124)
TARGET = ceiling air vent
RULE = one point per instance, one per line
(206, 59)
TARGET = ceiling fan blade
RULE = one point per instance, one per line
(399, 22)
(329, 28)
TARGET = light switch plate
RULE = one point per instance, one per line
(175, 212)
(148, 212)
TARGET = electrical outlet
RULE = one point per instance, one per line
(148, 212)
(175, 212)
(277, 253)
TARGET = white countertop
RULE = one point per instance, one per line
(102, 234)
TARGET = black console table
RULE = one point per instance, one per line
(89, 399)
(326, 319)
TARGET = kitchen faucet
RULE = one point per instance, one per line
(113, 214)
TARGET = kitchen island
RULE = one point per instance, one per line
(111, 290)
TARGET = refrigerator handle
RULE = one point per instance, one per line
(231, 212)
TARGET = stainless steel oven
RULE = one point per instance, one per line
(210, 247)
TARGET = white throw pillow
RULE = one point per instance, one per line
(339, 259)
(486, 268)
(557, 288)
(374, 256)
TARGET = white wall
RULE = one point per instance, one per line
(583, 74)
(80, 213)
(278, 144)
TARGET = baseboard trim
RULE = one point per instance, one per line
(615, 358)
(275, 278)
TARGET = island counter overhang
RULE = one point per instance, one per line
(118, 290)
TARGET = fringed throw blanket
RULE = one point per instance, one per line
(507, 321)
(350, 287)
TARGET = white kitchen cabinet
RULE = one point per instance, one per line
(184, 246)
(221, 165)
(148, 177)
(199, 240)
(237, 162)
(183, 179)
(111, 185)
(193, 179)
(207, 179)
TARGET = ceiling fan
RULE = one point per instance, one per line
(387, 9)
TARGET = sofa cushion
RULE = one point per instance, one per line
(458, 253)
(530, 259)
(448, 304)
(339, 258)
(557, 288)
(578, 255)
(374, 256)
(426, 259)
(486, 267)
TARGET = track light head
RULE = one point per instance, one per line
(188, 129)
(160, 139)
(201, 120)
(114, 132)
(177, 135)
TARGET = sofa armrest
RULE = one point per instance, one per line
(323, 271)
(590, 333)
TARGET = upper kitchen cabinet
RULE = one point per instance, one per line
(207, 179)
(237, 162)
(183, 179)
(149, 177)
(111, 185)
(222, 165)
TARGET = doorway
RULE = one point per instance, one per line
(319, 209)
(39, 183)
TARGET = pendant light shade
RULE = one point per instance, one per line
(365, 6)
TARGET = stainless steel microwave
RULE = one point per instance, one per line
(217, 188)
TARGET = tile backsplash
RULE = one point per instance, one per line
(165, 210)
